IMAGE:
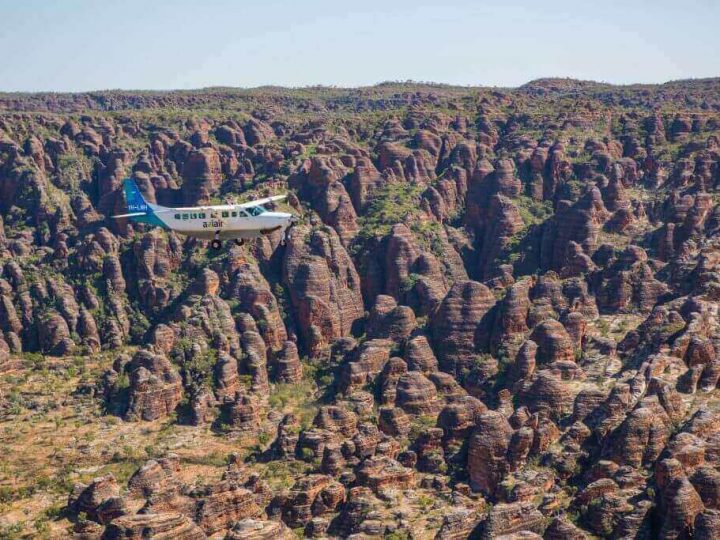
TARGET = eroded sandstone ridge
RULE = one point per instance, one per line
(498, 316)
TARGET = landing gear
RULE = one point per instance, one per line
(216, 243)
(287, 232)
(285, 235)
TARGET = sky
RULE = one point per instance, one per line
(82, 45)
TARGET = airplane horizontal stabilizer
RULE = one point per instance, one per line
(133, 214)
(138, 214)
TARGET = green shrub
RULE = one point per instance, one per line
(33, 360)
(390, 204)
(531, 211)
(306, 454)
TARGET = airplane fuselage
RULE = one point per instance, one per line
(209, 222)
(224, 222)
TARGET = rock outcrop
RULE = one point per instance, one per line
(461, 327)
(324, 287)
(155, 387)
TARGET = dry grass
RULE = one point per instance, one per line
(51, 439)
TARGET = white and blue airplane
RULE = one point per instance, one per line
(237, 222)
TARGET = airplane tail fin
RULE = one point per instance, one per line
(139, 210)
(133, 197)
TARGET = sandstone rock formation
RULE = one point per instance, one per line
(488, 322)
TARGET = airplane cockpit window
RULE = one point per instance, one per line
(256, 210)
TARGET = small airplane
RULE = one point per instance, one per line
(216, 222)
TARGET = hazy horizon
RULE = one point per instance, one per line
(85, 46)
(339, 87)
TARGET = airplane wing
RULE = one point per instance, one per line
(266, 200)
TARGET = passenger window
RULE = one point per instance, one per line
(177, 216)
(234, 213)
(185, 216)
(225, 214)
(193, 216)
